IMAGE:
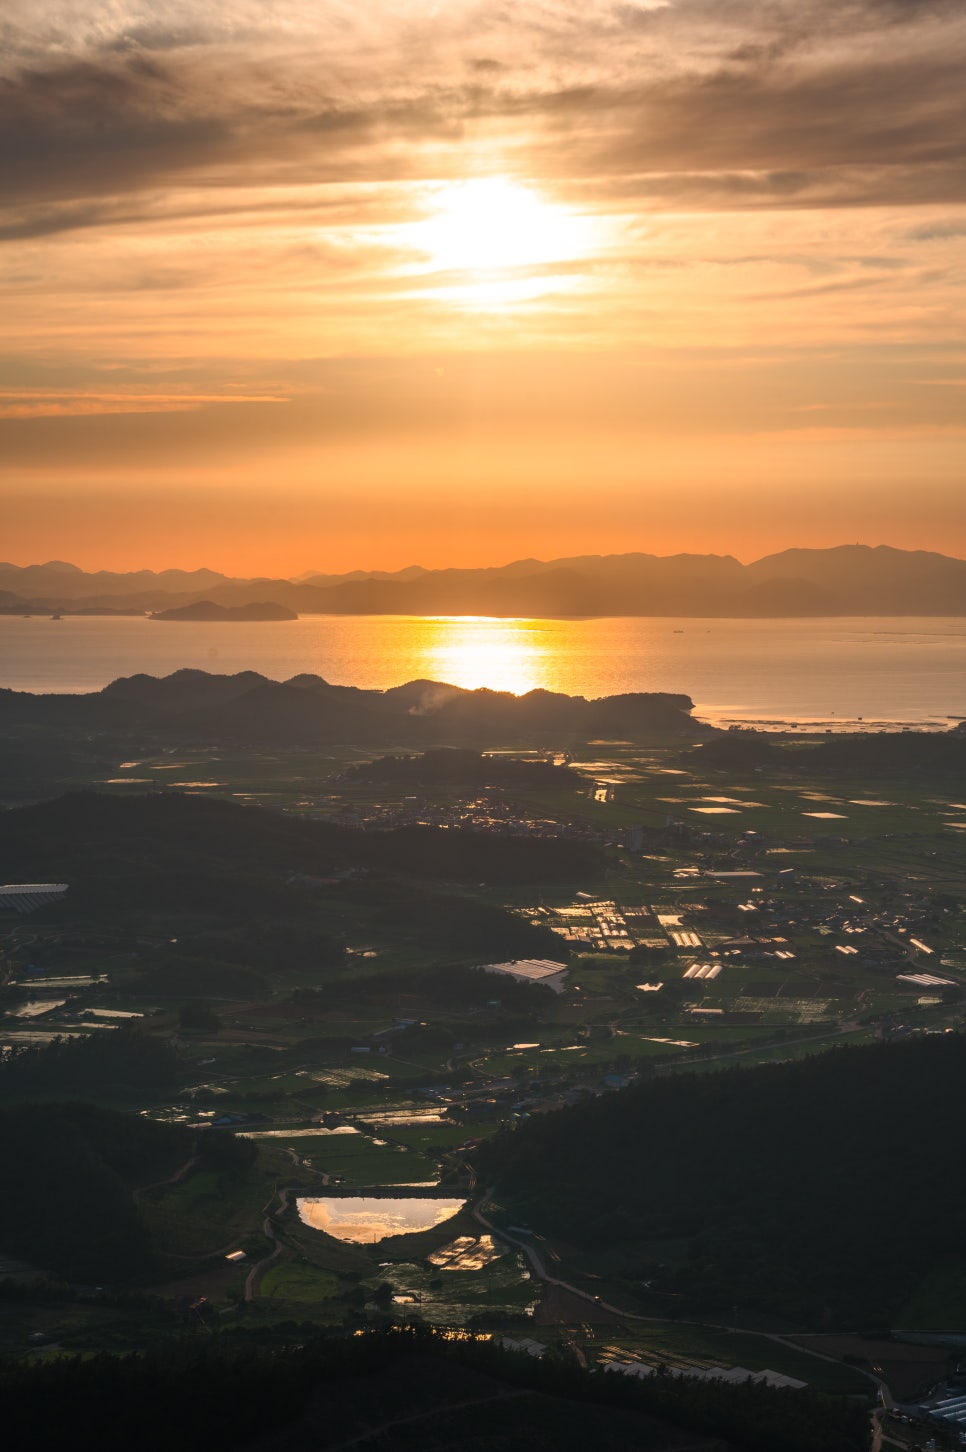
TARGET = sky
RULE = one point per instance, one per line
(327, 284)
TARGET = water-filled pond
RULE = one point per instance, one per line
(366, 1219)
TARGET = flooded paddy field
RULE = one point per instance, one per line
(699, 1350)
(501, 1290)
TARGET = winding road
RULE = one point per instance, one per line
(619, 1314)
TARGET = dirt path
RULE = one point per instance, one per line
(255, 1274)
(174, 1179)
(268, 1230)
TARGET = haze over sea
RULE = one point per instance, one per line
(895, 671)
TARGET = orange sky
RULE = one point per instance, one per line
(321, 285)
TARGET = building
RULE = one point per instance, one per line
(26, 897)
(540, 971)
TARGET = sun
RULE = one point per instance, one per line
(492, 224)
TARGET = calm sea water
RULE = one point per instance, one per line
(832, 671)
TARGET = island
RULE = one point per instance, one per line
(208, 610)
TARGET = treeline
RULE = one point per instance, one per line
(454, 855)
(451, 989)
(238, 960)
(71, 1170)
(330, 1391)
(124, 1061)
(822, 1190)
(460, 924)
(860, 755)
(461, 769)
(488, 1010)
(894, 753)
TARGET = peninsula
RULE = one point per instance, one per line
(207, 610)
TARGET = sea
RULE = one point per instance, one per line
(841, 673)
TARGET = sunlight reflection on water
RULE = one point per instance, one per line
(504, 655)
(895, 670)
(368, 1218)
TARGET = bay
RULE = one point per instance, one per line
(827, 672)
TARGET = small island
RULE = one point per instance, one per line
(208, 610)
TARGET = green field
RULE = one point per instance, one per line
(355, 1158)
(207, 1215)
(295, 1280)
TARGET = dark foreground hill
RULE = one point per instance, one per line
(308, 711)
(823, 1190)
(400, 1391)
(72, 1169)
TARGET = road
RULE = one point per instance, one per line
(268, 1230)
(618, 1312)
(255, 1274)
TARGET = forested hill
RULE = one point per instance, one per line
(822, 1190)
(70, 1170)
(205, 851)
(309, 711)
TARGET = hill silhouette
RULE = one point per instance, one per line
(845, 580)
(308, 711)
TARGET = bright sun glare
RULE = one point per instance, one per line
(505, 655)
(491, 223)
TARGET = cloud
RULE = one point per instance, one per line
(812, 101)
(25, 403)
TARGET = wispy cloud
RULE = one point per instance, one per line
(216, 222)
(28, 403)
(140, 96)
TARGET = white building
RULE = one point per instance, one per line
(532, 970)
(26, 897)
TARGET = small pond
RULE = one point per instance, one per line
(367, 1219)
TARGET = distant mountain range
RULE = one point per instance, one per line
(846, 580)
(307, 711)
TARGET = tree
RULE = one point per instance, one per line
(198, 1018)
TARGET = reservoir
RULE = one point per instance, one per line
(366, 1219)
(824, 672)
